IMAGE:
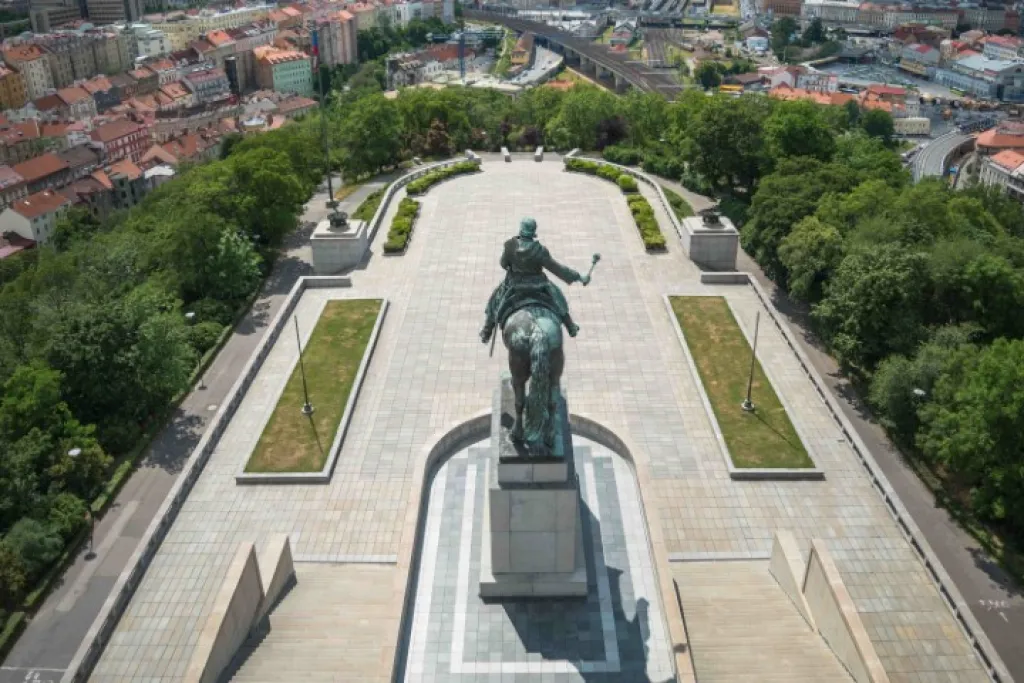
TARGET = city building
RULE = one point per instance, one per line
(891, 99)
(1004, 169)
(983, 77)
(113, 11)
(995, 18)
(12, 89)
(1006, 135)
(284, 71)
(121, 139)
(81, 160)
(182, 28)
(43, 172)
(830, 12)
(20, 141)
(365, 14)
(33, 64)
(149, 41)
(146, 80)
(912, 125)
(71, 56)
(522, 53)
(12, 186)
(46, 15)
(782, 8)
(35, 217)
(208, 85)
(80, 103)
(336, 39)
(623, 33)
(919, 59)
(1007, 48)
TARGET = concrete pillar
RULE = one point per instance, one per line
(621, 84)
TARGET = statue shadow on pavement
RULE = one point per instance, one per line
(572, 629)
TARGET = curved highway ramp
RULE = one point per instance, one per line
(743, 628)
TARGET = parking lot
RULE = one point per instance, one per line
(866, 74)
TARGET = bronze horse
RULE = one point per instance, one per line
(533, 337)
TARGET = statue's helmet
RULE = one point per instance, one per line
(528, 228)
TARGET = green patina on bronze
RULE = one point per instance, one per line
(531, 311)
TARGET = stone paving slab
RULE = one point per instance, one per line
(625, 371)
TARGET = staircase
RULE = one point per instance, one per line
(742, 627)
(331, 626)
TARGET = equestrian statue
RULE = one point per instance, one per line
(531, 310)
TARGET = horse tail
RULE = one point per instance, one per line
(538, 400)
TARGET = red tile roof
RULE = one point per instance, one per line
(73, 94)
(41, 166)
(23, 53)
(114, 130)
(40, 203)
(1009, 159)
(126, 167)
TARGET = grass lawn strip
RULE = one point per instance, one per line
(765, 438)
(291, 441)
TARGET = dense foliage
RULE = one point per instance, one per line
(421, 185)
(94, 337)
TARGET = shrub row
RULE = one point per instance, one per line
(401, 226)
(652, 161)
(369, 206)
(642, 212)
(421, 185)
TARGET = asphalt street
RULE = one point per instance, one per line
(53, 636)
(929, 161)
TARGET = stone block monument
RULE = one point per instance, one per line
(533, 542)
(338, 243)
(533, 532)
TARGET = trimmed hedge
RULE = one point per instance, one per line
(401, 226)
(642, 212)
(421, 185)
(680, 206)
(369, 206)
(623, 156)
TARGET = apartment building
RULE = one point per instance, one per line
(336, 39)
(284, 71)
(182, 28)
(32, 62)
(12, 89)
(121, 139)
(208, 85)
(35, 217)
(114, 11)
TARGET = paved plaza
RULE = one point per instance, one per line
(625, 370)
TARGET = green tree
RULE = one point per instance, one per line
(370, 138)
(873, 306)
(728, 139)
(973, 425)
(707, 75)
(577, 121)
(878, 124)
(814, 33)
(799, 129)
(13, 577)
(810, 253)
(78, 223)
(782, 32)
(35, 544)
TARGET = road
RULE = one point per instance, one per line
(638, 74)
(929, 161)
(53, 636)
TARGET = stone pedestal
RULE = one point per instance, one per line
(338, 248)
(533, 534)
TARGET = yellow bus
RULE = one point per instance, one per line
(731, 89)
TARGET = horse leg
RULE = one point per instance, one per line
(520, 369)
(557, 365)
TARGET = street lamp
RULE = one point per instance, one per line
(307, 407)
(748, 405)
(91, 553)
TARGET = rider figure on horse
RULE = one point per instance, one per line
(524, 260)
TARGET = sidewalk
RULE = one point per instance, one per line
(56, 630)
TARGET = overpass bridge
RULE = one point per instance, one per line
(619, 71)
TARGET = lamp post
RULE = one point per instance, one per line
(191, 318)
(307, 407)
(748, 405)
(90, 553)
(331, 204)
